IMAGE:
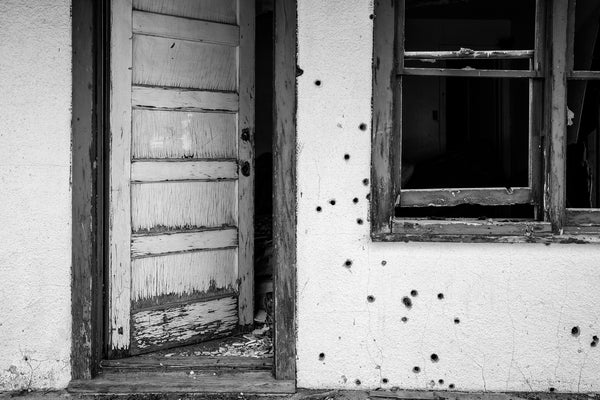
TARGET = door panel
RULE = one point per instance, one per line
(181, 172)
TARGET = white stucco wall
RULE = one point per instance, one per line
(35, 202)
(517, 304)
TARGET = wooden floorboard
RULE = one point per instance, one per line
(193, 381)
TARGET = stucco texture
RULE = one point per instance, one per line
(516, 304)
(35, 202)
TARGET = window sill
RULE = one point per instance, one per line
(484, 231)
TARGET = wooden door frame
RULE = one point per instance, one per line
(89, 67)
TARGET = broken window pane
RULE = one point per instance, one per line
(583, 169)
(474, 24)
(464, 132)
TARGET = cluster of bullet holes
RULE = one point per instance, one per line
(594, 341)
(575, 332)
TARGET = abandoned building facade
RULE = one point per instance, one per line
(262, 196)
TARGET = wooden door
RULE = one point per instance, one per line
(181, 172)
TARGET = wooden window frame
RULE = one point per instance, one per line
(89, 98)
(546, 190)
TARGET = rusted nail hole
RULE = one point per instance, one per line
(348, 263)
(407, 302)
(365, 181)
(435, 358)
(451, 386)
(456, 321)
(318, 82)
(370, 298)
(319, 209)
(414, 293)
(383, 262)
(357, 382)
(332, 202)
(404, 319)
(441, 381)
(416, 370)
(441, 296)
(355, 200)
(321, 356)
(384, 380)
(359, 221)
(362, 127)
(346, 156)
(575, 331)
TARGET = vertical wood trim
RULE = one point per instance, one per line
(86, 335)
(384, 79)
(246, 20)
(536, 111)
(555, 189)
(398, 113)
(119, 224)
(284, 188)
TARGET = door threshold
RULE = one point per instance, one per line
(183, 381)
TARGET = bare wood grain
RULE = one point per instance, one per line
(384, 82)
(284, 189)
(583, 216)
(158, 171)
(209, 10)
(261, 382)
(471, 73)
(454, 197)
(177, 325)
(469, 54)
(181, 99)
(147, 245)
(168, 62)
(119, 225)
(158, 362)
(470, 227)
(246, 18)
(185, 29)
(585, 75)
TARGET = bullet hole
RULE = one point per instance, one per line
(370, 298)
(26, 358)
(575, 331)
(441, 296)
(173, 45)
(365, 181)
(435, 358)
(332, 202)
(348, 263)
(357, 382)
(319, 209)
(385, 381)
(383, 262)
(414, 293)
(362, 127)
(355, 200)
(456, 321)
(321, 356)
(368, 196)
(552, 389)
(371, 16)
(441, 381)
(593, 344)
(451, 386)
(407, 302)
(346, 156)
(416, 370)
(318, 82)
(359, 221)
(594, 341)
(404, 319)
